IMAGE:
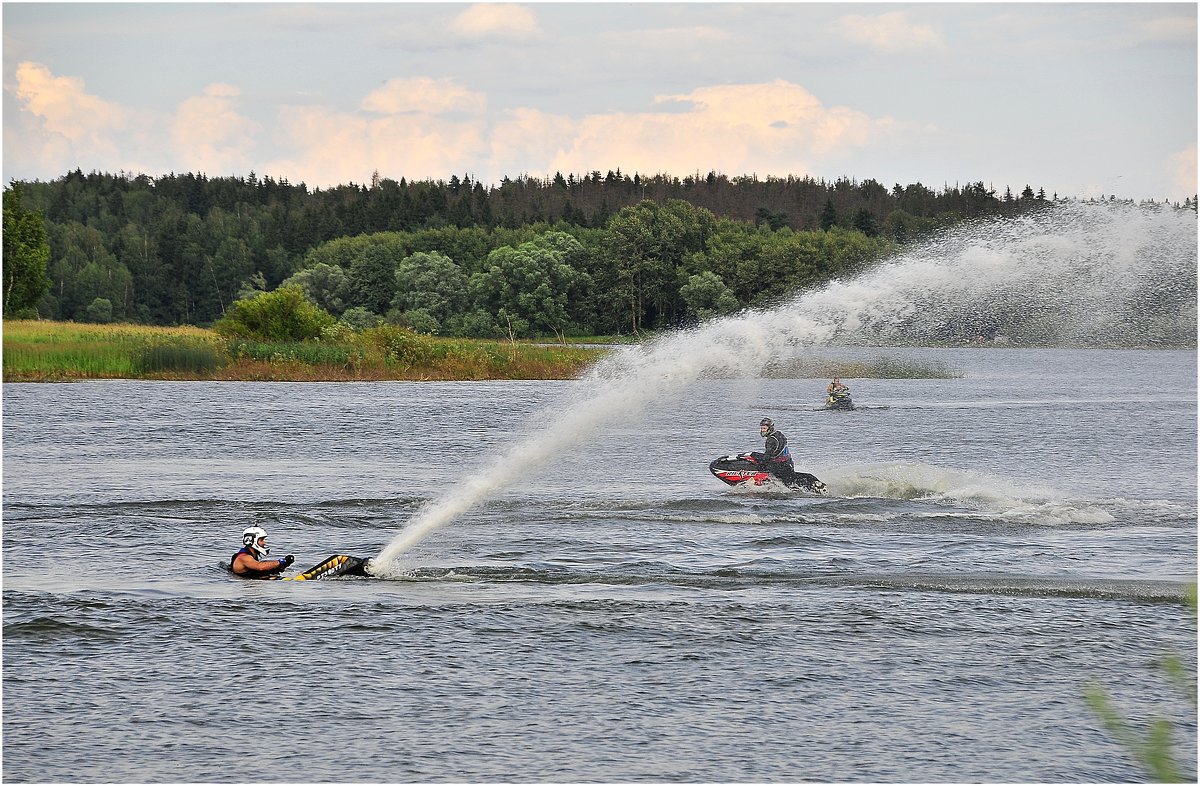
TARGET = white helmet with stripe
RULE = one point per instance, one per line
(250, 538)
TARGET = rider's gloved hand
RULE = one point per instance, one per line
(288, 560)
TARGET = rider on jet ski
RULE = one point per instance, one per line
(775, 456)
(838, 395)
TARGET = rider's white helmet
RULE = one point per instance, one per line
(250, 538)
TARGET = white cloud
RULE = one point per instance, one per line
(775, 127)
(502, 21)
(890, 33)
(526, 138)
(1165, 30)
(416, 127)
(70, 117)
(1183, 169)
(771, 128)
(65, 127)
(779, 111)
(423, 95)
(210, 136)
(328, 148)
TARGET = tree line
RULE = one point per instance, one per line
(574, 255)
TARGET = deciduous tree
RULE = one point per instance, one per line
(26, 255)
(282, 315)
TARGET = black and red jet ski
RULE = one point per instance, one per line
(744, 468)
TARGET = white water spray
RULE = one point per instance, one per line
(1074, 275)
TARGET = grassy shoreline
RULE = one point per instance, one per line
(45, 351)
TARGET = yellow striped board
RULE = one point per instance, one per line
(336, 565)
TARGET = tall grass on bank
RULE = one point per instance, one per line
(54, 351)
(390, 352)
(39, 350)
(182, 358)
(49, 351)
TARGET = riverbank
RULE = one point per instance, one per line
(46, 351)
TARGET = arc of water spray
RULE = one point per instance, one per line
(623, 384)
(1076, 270)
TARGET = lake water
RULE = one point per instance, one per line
(992, 545)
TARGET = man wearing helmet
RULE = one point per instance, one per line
(775, 456)
(248, 562)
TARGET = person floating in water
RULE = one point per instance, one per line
(248, 561)
(775, 456)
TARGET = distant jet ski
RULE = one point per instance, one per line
(336, 565)
(839, 399)
(742, 468)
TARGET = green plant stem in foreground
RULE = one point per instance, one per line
(1152, 751)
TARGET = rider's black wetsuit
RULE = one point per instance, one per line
(273, 573)
(777, 458)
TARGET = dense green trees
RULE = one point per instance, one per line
(325, 285)
(529, 288)
(654, 265)
(649, 244)
(26, 255)
(598, 253)
(431, 291)
(707, 296)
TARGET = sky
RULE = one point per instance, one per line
(1079, 99)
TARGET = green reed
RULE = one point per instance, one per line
(50, 351)
(179, 358)
(64, 350)
(310, 353)
(1150, 744)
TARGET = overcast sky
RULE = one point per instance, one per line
(1079, 99)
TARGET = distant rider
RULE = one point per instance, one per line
(248, 562)
(839, 395)
(775, 456)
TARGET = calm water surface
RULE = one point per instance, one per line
(992, 545)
